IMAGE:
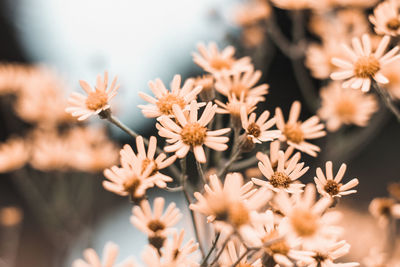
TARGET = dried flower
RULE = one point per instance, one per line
(364, 65)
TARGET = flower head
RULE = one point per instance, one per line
(96, 100)
(386, 18)
(364, 65)
(192, 133)
(13, 154)
(384, 209)
(295, 132)
(162, 104)
(215, 62)
(331, 187)
(293, 4)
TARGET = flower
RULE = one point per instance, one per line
(384, 209)
(364, 65)
(386, 18)
(172, 254)
(96, 101)
(129, 180)
(242, 83)
(234, 105)
(274, 149)
(283, 178)
(345, 106)
(252, 36)
(206, 81)
(326, 253)
(217, 63)
(160, 162)
(110, 254)
(162, 104)
(293, 4)
(257, 129)
(192, 133)
(307, 219)
(156, 225)
(14, 153)
(252, 12)
(295, 132)
(331, 187)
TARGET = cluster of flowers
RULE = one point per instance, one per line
(54, 141)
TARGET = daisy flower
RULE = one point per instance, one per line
(331, 187)
(173, 254)
(96, 101)
(345, 106)
(295, 132)
(192, 133)
(128, 180)
(327, 253)
(384, 209)
(258, 129)
(307, 219)
(386, 18)
(234, 105)
(162, 104)
(129, 158)
(216, 63)
(231, 256)
(284, 178)
(242, 83)
(155, 224)
(364, 65)
(274, 149)
(252, 12)
(110, 254)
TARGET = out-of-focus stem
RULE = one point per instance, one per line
(215, 260)
(385, 96)
(200, 171)
(204, 262)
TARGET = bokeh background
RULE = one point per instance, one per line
(140, 41)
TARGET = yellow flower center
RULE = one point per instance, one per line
(131, 185)
(332, 187)
(193, 134)
(146, 162)
(294, 133)
(221, 63)
(346, 110)
(304, 222)
(238, 88)
(96, 100)
(254, 130)
(156, 225)
(393, 24)
(278, 247)
(280, 180)
(366, 67)
(166, 102)
(238, 214)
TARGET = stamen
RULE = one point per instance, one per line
(221, 63)
(254, 130)
(366, 67)
(238, 214)
(96, 100)
(166, 102)
(156, 225)
(146, 163)
(332, 187)
(280, 180)
(194, 134)
(294, 133)
(393, 24)
(304, 222)
(346, 110)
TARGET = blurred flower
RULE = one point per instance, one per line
(110, 254)
(258, 129)
(217, 63)
(156, 225)
(345, 106)
(391, 72)
(384, 209)
(173, 253)
(252, 12)
(295, 132)
(206, 81)
(293, 4)
(386, 18)
(14, 154)
(166, 99)
(96, 101)
(192, 133)
(356, 3)
(283, 178)
(253, 36)
(331, 187)
(364, 65)
(160, 162)
(242, 83)
(10, 216)
(274, 149)
(233, 107)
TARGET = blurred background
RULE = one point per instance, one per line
(42, 223)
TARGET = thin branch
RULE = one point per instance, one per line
(220, 251)
(200, 171)
(214, 245)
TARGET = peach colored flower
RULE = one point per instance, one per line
(234, 105)
(293, 4)
(364, 65)
(283, 178)
(216, 63)
(96, 101)
(252, 12)
(331, 187)
(295, 132)
(14, 154)
(274, 149)
(162, 104)
(192, 133)
(242, 83)
(206, 81)
(110, 254)
(384, 209)
(345, 106)
(390, 71)
(129, 158)
(252, 36)
(257, 130)
(386, 18)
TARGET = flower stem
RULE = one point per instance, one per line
(214, 245)
(220, 251)
(385, 96)
(200, 171)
